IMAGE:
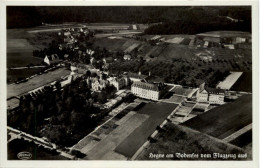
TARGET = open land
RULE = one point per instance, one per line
(105, 148)
(175, 139)
(157, 113)
(224, 120)
(16, 74)
(38, 81)
(229, 81)
(244, 83)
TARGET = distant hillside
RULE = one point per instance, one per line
(185, 18)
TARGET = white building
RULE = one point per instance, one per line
(146, 90)
(120, 82)
(210, 95)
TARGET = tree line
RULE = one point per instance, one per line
(33, 16)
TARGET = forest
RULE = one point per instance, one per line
(196, 17)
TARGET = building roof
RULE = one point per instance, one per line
(214, 90)
(147, 86)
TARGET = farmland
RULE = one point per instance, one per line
(116, 139)
(157, 113)
(230, 80)
(17, 74)
(244, 83)
(20, 53)
(175, 139)
(104, 149)
(38, 81)
(224, 120)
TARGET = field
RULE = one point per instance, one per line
(112, 140)
(179, 139)
(244, 83)
(224, 120)
(16, 74)
(164, 51)
(157, 113)
(38, 153)
(243, 140)
(38, 81)
(19, 59)
(88, 142)
(105, 148)
(230, 80)
(20, 46)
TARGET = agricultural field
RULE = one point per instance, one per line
(244, 83)
(229, 81)
(243, 140)
(112, 140)
(20, 46)
(179, 139)
(157, 113)
(224, 120)
(20, 53)
(38, 81)
(17, 74)
(22, 58)
(105, 148)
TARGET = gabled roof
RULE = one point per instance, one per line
(147, 86)
(214, 91)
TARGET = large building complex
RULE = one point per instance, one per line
(147, 90)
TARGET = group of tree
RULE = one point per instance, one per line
(33, 16)
(179, 71)
(60, 114)
(195, 27)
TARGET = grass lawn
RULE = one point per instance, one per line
(179, 139)
(157, 113)
(38, 153)
(224, 120)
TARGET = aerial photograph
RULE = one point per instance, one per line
(132, 83)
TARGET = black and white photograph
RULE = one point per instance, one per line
(130, 83)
